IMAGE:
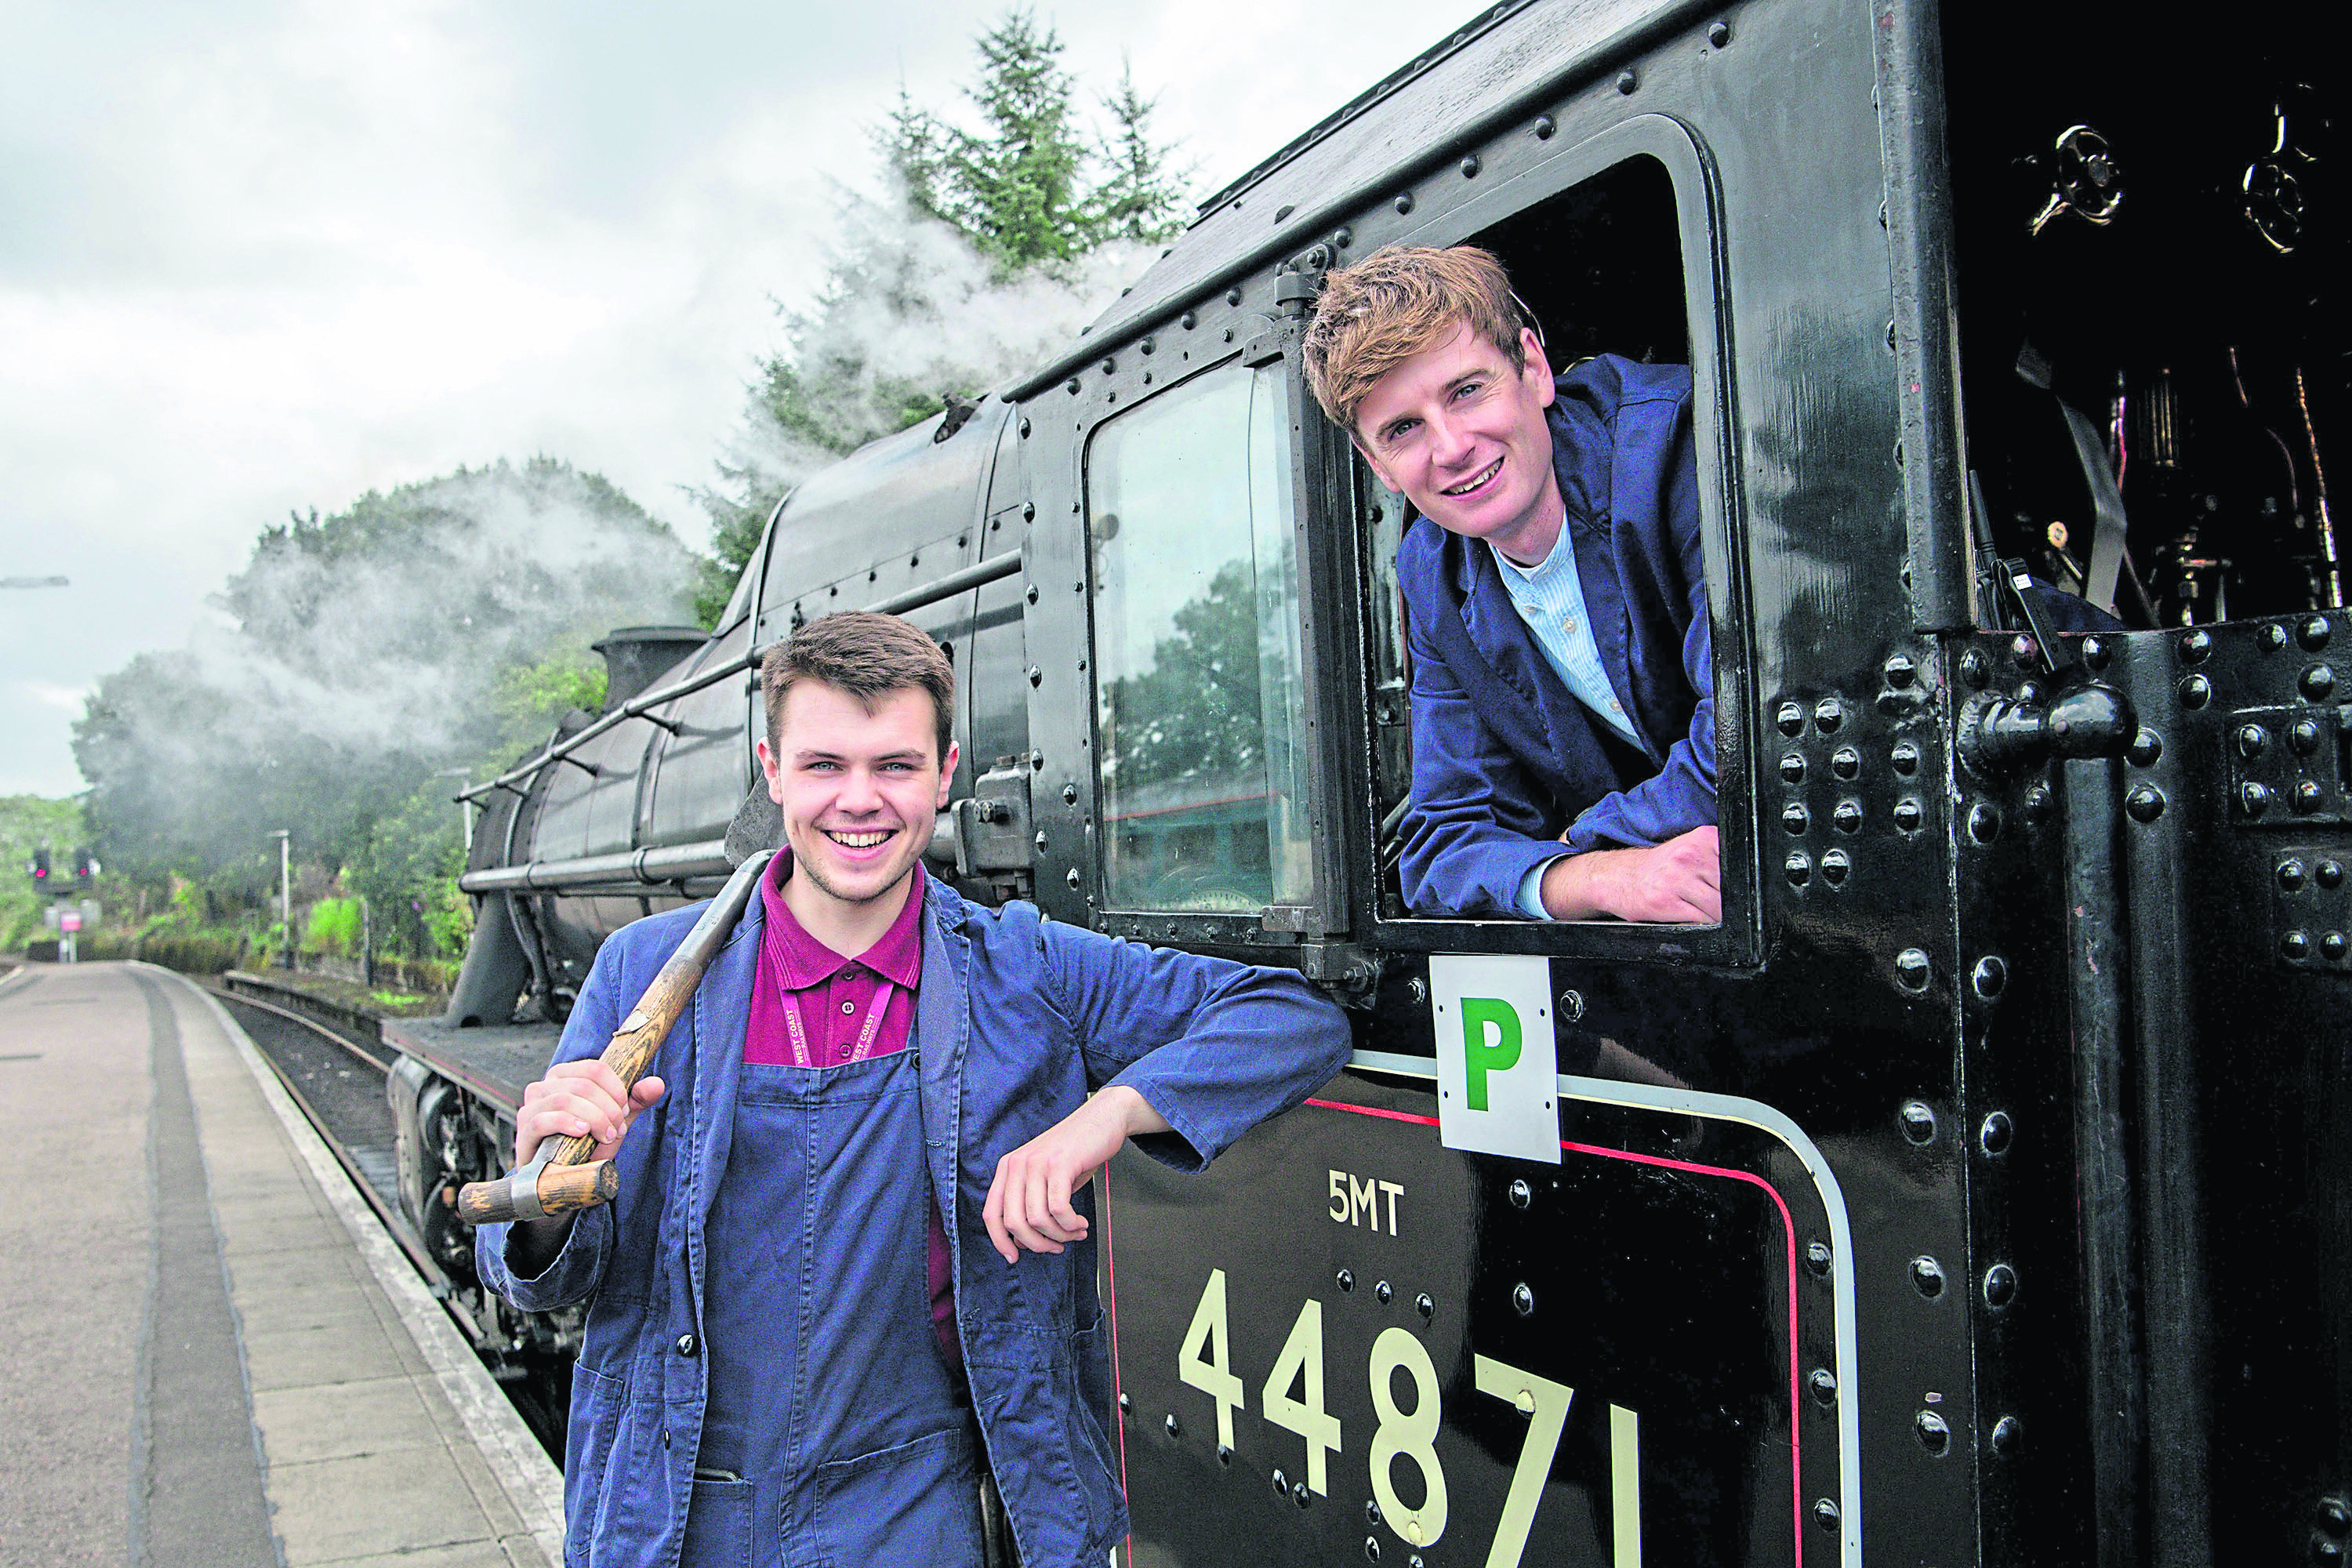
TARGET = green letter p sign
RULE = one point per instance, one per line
(1490, 1043)
(1498, 1057)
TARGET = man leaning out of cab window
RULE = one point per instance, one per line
(1563, 676)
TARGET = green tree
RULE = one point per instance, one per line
(1016, 187)
(1141, 196)
(984, 237)
(30, 822)
(437, 626)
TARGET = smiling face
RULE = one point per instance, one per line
(859, 787)
(1462, 436)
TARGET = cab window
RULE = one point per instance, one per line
(1204, 795)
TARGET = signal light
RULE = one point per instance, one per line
(40, 867)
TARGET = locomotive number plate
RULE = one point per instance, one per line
(1347, 1342)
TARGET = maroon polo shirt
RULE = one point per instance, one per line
(835, 994)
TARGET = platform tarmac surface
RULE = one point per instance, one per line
(216, 1357)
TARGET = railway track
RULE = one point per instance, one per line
(338, 1082)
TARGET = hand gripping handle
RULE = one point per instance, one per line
(561, 1178)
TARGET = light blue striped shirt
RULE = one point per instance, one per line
(1550, 597)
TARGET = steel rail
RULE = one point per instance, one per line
(637, 707)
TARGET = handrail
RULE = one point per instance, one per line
(914, 598)
(663, 863)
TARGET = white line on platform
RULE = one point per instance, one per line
(532, 1482)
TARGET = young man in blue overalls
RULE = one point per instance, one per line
(800, 1345)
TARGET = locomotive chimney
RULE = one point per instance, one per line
(635, 655)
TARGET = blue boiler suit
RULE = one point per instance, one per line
(759, 1310)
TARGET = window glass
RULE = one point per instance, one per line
(1199, 684)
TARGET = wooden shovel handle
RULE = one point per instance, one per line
(569, 1181)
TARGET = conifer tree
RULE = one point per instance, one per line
(975, 226)
(1014, 187)
(1141, 196)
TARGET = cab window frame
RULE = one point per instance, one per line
(1330, 900)
(1737, 942)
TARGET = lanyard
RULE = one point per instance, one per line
(798, 1029)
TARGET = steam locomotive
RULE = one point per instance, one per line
(1967, 1194)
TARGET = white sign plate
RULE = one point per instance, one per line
(1497, 1055)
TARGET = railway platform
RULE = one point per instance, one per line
(217, 1355)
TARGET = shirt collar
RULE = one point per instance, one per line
(806, 962)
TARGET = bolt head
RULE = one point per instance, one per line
(1994, 1136)
(2333, 1516)
(2196, 691)
(2094, 651)
(1794, 817)
(2144, 804)
(1900, 670)
(1718, 34)
(2319, 683)
(2330, 873)
(1172, 1426)
(1984, 822)
(1975, 669)
(1521, 1194)
(1825, 1513)
(1280, 1482)
(1905, 758)
(2252, 740)
(1934, 1435)
(2306, 797)
(1345, 1280)
(1847, 816)
(1846, 763)
(2291, 873)
(1835, 864)
(1908, 815)
(1927, 1276)
(1999, 1286)
(2195, 645)
(1470, 167)
(2254, 798)
(1911, 969)
(2295, 946)
(1799, 868)
(1792, 768)
(2007, 1434)
(1627, 81)
(2303, 737)
(1523, 1300)
(1990, 977)
(1383, 1293)
(2023, 648)
(1818, 1259)
(1426, 1305)
(2331, 946)
(1298, 1493)
(1918, 1122)
(2311, 634)
(2038, 802)
(1828, 714)
(1790, 718)
(1823, 1383)
(2274, 638)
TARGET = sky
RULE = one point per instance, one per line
(263, 257)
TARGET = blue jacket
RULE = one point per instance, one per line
(1016, 1020)
(1503, 757)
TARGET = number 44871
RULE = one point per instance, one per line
(1204, 1361)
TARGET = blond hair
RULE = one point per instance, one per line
(1400, 300)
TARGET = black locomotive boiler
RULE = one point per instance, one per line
(1978, 1190)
